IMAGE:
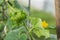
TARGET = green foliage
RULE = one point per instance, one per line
(1, 1)
(16, 34)
(1, 26)
(23, 37)
(16, 16)
(16, 24)
(37, 28)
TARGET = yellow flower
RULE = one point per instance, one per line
(44, 24)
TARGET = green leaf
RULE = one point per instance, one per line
(40, 33)
(36, 22)
(39, 23)
(23, 37)
(46, 33)
(15, 34)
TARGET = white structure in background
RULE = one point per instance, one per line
(24, 2)
(38, 4)
(48, 5)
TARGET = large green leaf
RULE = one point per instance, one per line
(16, 34)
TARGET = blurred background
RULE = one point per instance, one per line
(44, 9)
(47, 5)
